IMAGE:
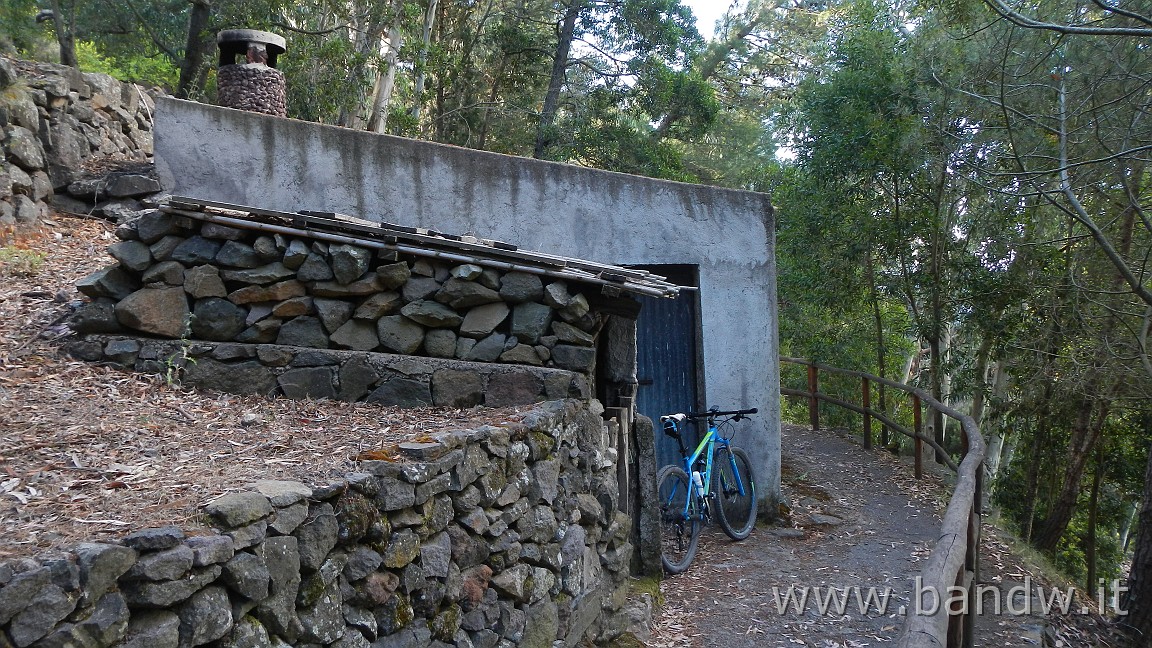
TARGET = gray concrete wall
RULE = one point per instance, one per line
(245, 158)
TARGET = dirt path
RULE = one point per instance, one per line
(861, 524)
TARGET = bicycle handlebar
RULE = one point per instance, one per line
(738, 414)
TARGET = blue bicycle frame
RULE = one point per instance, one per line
(707, 450)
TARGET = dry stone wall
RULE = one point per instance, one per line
(268, 297)
(55, 120)
(500, 536)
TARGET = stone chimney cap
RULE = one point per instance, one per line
(275, 44)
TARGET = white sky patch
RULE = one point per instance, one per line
(707, 12)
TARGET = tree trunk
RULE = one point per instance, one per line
(1093, 516)
(195, 48)
(1032, 473)
(1126, 530)
(881, 347)
(386, 82)
(422, 60)
(544, 137)
(1138, 598)
(65, 33)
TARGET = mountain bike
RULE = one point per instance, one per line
(715, 480)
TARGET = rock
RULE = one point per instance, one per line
(378, 306)
(196, 250)
(132, 255)
(314, 268)
(222, 232)
(162, 249)
(236, 378)
(304, 331)
(358, 335)
(440, 343)
(167, 564)
(460, 294)
(323, 621)
(264, 275)
(508, 389)
(217, 319)
(262, 332)
(482, 320)
(362, 562)
(574, 358)
(403, 392)
(278, 611)
(165, 594)
(402, 549)
(16, 595)
(105, 625)
(418, 288)
(569, 334)
(317, 536)
(112, 282)
(238, 509)
(211, 550)
(289, 518)
(24, 148)
(294, 307)
(154, 225)
(276, 292)
(356, 377)
(454, 388)
(154, 539)
(333, 313)
(359, 288)
(530, 321)
(295, 255)
(521, 354)
(432, 314)
(399, 334)
(205, 617)
(100, 566)
(98, 316)
(818, 519)
(556, 295)
(167, 273)
(238, 255)
(269, 248)
(282, 493)
(153, 629)
(307, 383)
(204, 281)
(520, 287)
(160, 311)
(436, 555)
(246, 633)
(349, 262)
(247, 575)
(486, 350)
(132, 185)
(393, 275)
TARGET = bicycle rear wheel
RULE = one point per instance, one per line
(679, 519)
(736, 513)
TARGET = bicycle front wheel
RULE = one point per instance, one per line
(735, 512)
(679, 519)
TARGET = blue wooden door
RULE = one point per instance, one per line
(667, 367)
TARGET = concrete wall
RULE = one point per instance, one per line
(220, 154)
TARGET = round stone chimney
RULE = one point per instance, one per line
(247, 78)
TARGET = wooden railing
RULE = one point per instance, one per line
(955, 559)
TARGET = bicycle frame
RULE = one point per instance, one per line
(707, 449)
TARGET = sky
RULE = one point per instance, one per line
(707, 13)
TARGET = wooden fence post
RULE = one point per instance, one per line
(918, 428)
(813, 402)
(866, 398)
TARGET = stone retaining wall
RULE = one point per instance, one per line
(182, 279)
(55, 119)
(500, 536)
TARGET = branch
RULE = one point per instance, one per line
(311, 32)
(1020, 20)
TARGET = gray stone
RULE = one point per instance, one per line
(238, 509)
(217, 319)
(262, 332)
(249, 535)
(269, 248)
(160, 311)
(288, 518)
(222, 232)
(162, 249)
(403, 392)
(238, 255)
(100, 566)
(467, 272)
(246, 633)
(530, 321)
(317, 536)
(542, 625)
(294, 307)
(378, 306)
(356, 377)
(266, 274)
(522, 354)
(307, 358)
(333, 313)
(468, 550)
(571, 335)
(436, 554)
(556, 295)
(282, 493)
(211, 550)
(418, 288)
(520, 287)
(164, 594)
(247, 575)
(307, 383)
(204, 281)
(16, 595)
(154, 539)
(574, 358)
(304, 331)
(314, 268)
(167, 564)
(440, 343)
(296, 254)
(278, 611)
(402, 549)
(399, 334)
(432, 314)
(323, 621)
(154, 225)
(105, 625)
(153, 629)
(349, 262)
(205, 617)
(112, 282)
(482, 320)
(168, 273)
(518, 388)
(455, 388)
(276, 292)
(196, 250)
(97, 316)
(133, 255)
(361, 562)
(360, 288)
(250, 377)
(393, 275)
(576, 310)
(488, 349)
(132, 185)
(24, 148)
(460, 294)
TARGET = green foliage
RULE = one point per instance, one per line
(146, 70)
(20, 262)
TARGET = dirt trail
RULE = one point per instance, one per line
(861, 524)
